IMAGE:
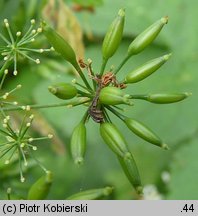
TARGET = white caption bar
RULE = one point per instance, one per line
(98, 208)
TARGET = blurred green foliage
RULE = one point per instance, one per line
(177, 124)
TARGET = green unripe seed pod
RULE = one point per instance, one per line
(144, 132)
(114, 139)
(40, 189)
(59, 44)
(146, 69)
(92, 194)
(113, 96)
(131, 171)
(113, 36)
(63, 90)
(146, 37)
(167, 98)
(78, 143)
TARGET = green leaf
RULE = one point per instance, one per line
(183, 171)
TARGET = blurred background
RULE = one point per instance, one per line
(169, 174)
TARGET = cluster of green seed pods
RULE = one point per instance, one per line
(107, 93)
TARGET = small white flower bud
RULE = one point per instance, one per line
(18, 34)
(7, 162)
(50, 136)
(32, 116)
(5, 120)
(33, 31)
(39, 30)
(37, 61)
(15, 72)
(5, 125)
(5, 20)
(22, 179)
(28, 124)
(5, 95)
(27, 108)
(22, 145)
(30, 140)
(34, 148)
(32, 21)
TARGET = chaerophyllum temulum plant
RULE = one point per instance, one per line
(17, 144)
(100, 91)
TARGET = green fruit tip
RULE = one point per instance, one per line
(166, 57)
(108, 190)
(139, 190)
(165, 146)
(49, 176)
(164, 20)
(79, 161)
(187, 94)
(126, 100)
(121, 12)
(52, 89)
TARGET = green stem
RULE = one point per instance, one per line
(106, 115)
(119, 115)
(76, 66)
(93, 75)
(121, 64)
(91, 91)
(84, 94)
(5, 66)
(68, 103)
(86, 115)
(142, 97)
(4, 132)
(104, 62)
